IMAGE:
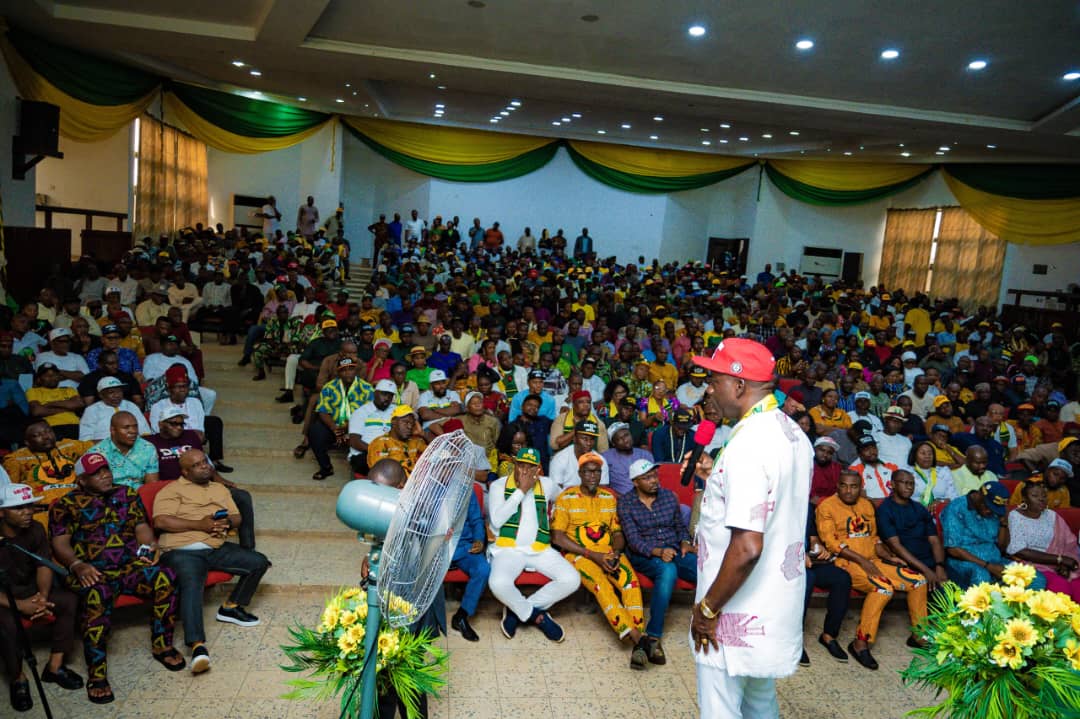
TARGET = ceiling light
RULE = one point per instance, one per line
(976, 64)
(744, 139)
(767, 136)
(794, 133)
(504, 113)
(565, 119)
(944, 148)
(804, 44)
(625, 126)
(696, 30)
(706, 142)
(256, 73)
(494, 119)
(431, 76)
(437, 114)
(515, 103)
(601, 132)
(365, 104)
(575, 115)
(556, 123)
(348, 84)
(654, 137)
(991, 147)
(905, 154)
(338, 100)
(704, 129)
(848, 154)
(439, 105)
(238, 63)
(302, 99)
(862, 147)
(722, 142)
(725, 126)
(355, 93)
(900, 145)
(1071, 76)
(890, 54)
(442, 87)
(939, 152)
(658, 118)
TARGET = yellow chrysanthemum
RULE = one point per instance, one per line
(1017, 574)
(347, 619)
(1045, 606)
(330, 617)
(356, 633)
(388, 643)
(361, 611)
(1015, 593)
(1007, 654)
(975, 600)
(352, 593)
(1020, 632)
(1072, 653)
(1074, 620)
(346, 644)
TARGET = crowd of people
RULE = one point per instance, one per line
(576, 377)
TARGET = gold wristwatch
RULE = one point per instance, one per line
(706, 612)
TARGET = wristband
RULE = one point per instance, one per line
(72, 565)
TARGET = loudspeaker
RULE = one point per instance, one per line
(852, 270)
(39, 128)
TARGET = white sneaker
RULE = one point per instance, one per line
(200, 660)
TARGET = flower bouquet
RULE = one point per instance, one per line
(1000, 650)
(408, 664)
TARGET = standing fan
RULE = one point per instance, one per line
(415, 537)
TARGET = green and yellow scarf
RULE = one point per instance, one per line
(508, 532)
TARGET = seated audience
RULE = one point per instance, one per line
(822, 573)
(94, 425)
(933, 482)
(1054, 478)
(55, 404)
(893, 445)
(909, 531)
(621, 456)
(210, 429)
(437, 403)
(369, 422)
(132, 460)
(672, 440)
(876, 474)
(71, 366)
(470, 558)
(826, 470)
(974, 474)
(109, 366)
(563, 471)
(1040, 536)
(338, 400)
(401, 443)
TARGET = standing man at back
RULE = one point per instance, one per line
(583, 245)
(746, 627)
(307, 219)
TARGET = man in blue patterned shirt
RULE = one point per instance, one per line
(132, 459)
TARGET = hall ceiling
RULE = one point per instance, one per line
(595, 66)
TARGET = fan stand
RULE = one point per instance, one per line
(368, 684)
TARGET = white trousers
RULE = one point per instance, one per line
(722, 696)
(507, 563)
(292, 363)
(208, 397)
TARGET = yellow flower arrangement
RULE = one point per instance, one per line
(1072, 653)
(1015, 593)
(1018, 575)
(330, 617)
(388, 643)
(1007, 654)
(1019, 632)
(976, 599)
(1045, 606)
(348, 618)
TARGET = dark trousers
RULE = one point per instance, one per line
(191, 567)
(390, 702)
(321, 438)
(838, 583)
(214, 429)
(359, 464)
(254, 334)
(62, 630)
(246, 533)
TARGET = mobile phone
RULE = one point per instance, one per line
(221, 514)
(145, 551)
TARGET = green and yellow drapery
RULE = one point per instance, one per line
(831, 183)
(648, 170)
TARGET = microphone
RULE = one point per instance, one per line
(704, 434)
(40, 560)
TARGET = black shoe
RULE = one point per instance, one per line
(656, 651)
(833, 647)
(509, 623)
(236, 615)
(63, 677)
(244, 362)
(915, 643)
(21, 701)
(222, 467)
(804, 660)
(200, 659)
(460, 623)
(639, 657)
(863, 657)
(285, 396)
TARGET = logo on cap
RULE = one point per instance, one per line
(736, 367)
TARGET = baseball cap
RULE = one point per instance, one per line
(696, 371)
(1027, 406)
(640, 467)
(110, 329)
(17, 495)
(402, 410)
(997, 497)
(1063, 465)
(109, 383)
(587, 427)
(407, 328)
(383, 342)
(895, 412)
(436, 376)
(682, 417)
(346, 362)
(854, 365)
(863, 395)
(58, 333)
(615, 427)
(537, 374)
(940, 400)
(424, 319)
(160, 289)
(90, 463)
(742, 358)
(1019, 379)
(386, 385)
(1065, 443)
(826, 442)
(528, 455)
(44, 367)
(327, 324)
(628, 402)
(111, 289)
(909, 356)
(862, 425)
(171, 412)
(866, 440)
(590, 457)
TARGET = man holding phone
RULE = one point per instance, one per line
(194, 515)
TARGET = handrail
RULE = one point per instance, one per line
(49, 210)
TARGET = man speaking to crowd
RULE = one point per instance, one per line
(746, 628)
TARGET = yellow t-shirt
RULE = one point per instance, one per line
(839, 419)
(44, 395)
(590, 313)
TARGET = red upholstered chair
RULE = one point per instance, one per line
(670, 475)
(1010, 484)
(1071, 515)
(786, 384)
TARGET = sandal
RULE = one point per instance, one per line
(170, 653)
(99, 685)
(300, 451)
(323, 474)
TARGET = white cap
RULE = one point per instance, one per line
(641, 466)
(909, 356)
(112, 288)
(472, 394)
(59, 332)
(615, 427)
(172, 411)
(17, 495)
(386, 385)
(109, 383)
(437, 375)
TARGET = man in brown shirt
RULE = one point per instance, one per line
(186, 513)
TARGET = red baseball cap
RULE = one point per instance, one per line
(742, 358)
(90, 463)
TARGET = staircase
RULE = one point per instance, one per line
(359, 277)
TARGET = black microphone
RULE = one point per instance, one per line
(704, 434)
(40, 560)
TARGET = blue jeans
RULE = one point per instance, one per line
(663, 575)
(191, 567)
(478, 569)
(254, 334)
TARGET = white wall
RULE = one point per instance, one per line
(17, 195)
(1063, 269)
(92, 176)
(290, 175)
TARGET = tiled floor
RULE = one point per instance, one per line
(586, 676)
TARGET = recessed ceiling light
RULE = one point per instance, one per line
(1071, 76)
(442, 87)
(706, 142)
(348, 84)
(556, 123)
(991, 147)
(504, 113)
(439, 105)
(658, 118)
(494, 119)
(905, 154)
(625, 126)
(590, 18)
(601, 132)
(575, 115)
(944, 148)
(900, 145)
(431, 76)
(437, 114)
(338, 100)
(365, 104)
(704, 129)
(654, 137)
(696, 30)
(804, 44)
(767, 136)
(515, 103)
(794, 133)
(862, 147)
(565, 119)
(890, 54)
(939, 152)
(256, 73)
(725, 126)
(744, 139)
(722, 142)
(848, 153)
(302, 99)
(238, 63)
(977, 64)
(355, 93)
